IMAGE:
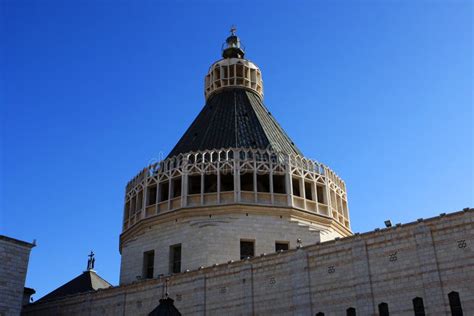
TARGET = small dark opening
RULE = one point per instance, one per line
(320, 192)
(279, 184)
(148, 264)
(455, 304)
(280, 245)
(151, 195)
(176, 187)
(246, 182)
(140, 200)
(296, 187)
(227, 182)
(418, 306)
(210, 183)
(308, 190)
(247, 249)
(194, 184)
(351, 311)
(383, 309)
(320, 314)
(133, 204)
(127, 210)
(175, 258)
(164, 191)
(263, 183)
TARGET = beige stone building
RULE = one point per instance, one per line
(240, 222)
(14, 258)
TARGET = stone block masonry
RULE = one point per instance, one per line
(14, 257)
(426, 259)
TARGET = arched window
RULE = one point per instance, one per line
(418, 306)
(455, 304)
(383, 309)
(320, 314)
(351, 311)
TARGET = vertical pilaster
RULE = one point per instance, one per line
(362, 280)
(246, 277)
(300, 284)
(428, 268)
(288, 183)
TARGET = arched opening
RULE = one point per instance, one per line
(418, 306)
(383, 309)
(164, 190)
(151, 195)
(455, 304)
(194, 184)
(210, 183)
(246, 181)
(279, 184)
(227, 181)
(296, 186)
(263, 183)
(320, 314)
(351, 311)
(308, 190)
(176, 187)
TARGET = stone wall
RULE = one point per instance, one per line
(14, 257)
(212, 239)
(427, 259)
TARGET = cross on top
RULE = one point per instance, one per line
(233, 29)
(91, 261)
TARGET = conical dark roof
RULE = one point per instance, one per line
(165, 308)
(234, 118)
(87, 281)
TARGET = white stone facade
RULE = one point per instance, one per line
(301, 199)
(427, 259)
(233, 72)
(14, 257)
(214, 238)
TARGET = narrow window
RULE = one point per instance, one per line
(263, 183)
(383, 309)
(176, 187)
(296, 187)
(224, 68)
(175, 258)
(418, 306)
(194, 184)
(133, 204)
(246, 182)
(455, 304)
(164, 190)
(140, 200)
(320, 193)
(279, 184)
(240, 70)
(127, 210)
(151, 195)
(247, 249)
(320, 314)
(351, 311)
(148, 264)
(308, 190)
(281, 245)
(210, 183)
(227, 182)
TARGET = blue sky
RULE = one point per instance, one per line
(92, 91)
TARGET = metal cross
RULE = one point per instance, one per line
(233, 29)
(91, 261)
